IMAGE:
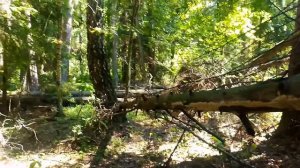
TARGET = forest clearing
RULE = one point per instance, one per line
(116, 83)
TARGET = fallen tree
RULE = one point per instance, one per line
(270, 96)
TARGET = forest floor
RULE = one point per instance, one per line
(43, 141)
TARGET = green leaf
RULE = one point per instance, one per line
(35, 164)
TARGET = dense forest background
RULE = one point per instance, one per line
(86, 67)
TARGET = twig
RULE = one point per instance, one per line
(28, 128)
(196, 127)
(167, 163)
(1, 114)
(242, 163)
(202, 126)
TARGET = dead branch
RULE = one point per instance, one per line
(223, 151)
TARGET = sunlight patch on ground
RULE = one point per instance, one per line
(190, 149)
(46, 160)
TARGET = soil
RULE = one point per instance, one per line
(46, 141)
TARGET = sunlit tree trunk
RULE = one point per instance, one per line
(141, 58)
(124, 46)
(31, 79)
(66, 38)
(289, 124)
(112, 41)
(114, 63)
(131, 50)
(149, 48)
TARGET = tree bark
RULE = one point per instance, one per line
(5, 8)
(149, 48)
(32, 78)
(67, 36)
(58, 69)
(272, 96)
(115, 44)
(289, 124)
(97, 58)
(131, 46)
(100, 73)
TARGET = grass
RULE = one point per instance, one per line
(137, 117)
(80, 112)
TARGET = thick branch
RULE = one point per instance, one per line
(268, 55)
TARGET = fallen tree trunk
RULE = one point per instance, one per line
(269, 96)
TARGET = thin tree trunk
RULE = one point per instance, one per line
(115, 44)
(142, 59)
(58, 70)
(5, 6)
(124, 47)
(133, 22)
(149, 48)
(134, 61)
(67, 35)
(5, 82)
(32, 73)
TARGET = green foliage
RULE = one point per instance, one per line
(205, 35)
(35, 164)
(138, 117)
(77, 130)
(116, 146)
(81, 112)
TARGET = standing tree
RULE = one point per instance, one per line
(5, 44)
(96, 56)
(58, 69)
(99, 70)
(31, 78)
(66, 37)
(290, 121)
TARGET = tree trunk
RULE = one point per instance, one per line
(5, 82)
(269, 96)
(115, 43)
(142, 59)
(149, 48)
(97, 58)
(67, 35)
(5, 8)
(100, 73)
(289, 124)
(58, 69)
(131, 50)
(31, 79)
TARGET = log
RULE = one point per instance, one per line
(270, 96)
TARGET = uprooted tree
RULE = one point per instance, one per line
(278, 95)
(275, 95)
